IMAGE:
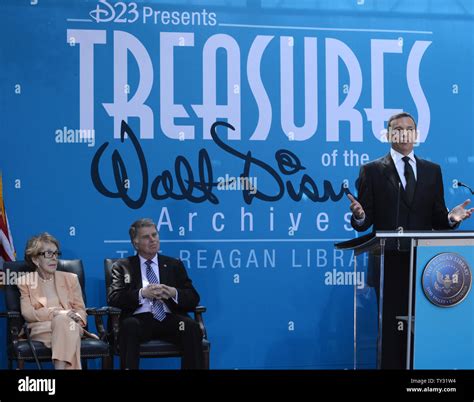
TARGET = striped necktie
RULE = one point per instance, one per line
(157, 308)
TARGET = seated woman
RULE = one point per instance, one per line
(52, 304)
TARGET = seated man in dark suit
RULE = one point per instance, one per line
(154, 293)
(400, 190)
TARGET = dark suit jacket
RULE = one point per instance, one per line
(379, 190)
(127, 281)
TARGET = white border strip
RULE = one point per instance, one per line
(325, 29)
(426, 235)
(234, 241)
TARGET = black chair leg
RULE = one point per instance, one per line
(107, 363)
(84, 364)
(206, 359)
(21, 364)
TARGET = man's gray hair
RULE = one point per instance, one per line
(140, 223)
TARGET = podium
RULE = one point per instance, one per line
(439, 297)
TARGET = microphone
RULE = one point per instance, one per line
(465, 185)
(399, 229)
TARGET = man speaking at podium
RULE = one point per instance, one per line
(397, 191)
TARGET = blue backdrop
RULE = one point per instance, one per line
(308, 89)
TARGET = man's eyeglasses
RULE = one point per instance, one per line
(50, 254)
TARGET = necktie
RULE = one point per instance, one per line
(157, 308)
(410, 178)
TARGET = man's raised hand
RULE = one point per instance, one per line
(356, 208)
(460, 212)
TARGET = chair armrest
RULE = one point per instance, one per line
(198, 311)
(10, 314)
(114, 324)
(99, 313)
(14, 323)
(114, 311)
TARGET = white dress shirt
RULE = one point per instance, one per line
(397, 158)
(146, 304)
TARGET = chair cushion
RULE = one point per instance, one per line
(90, 348)
(157, 347)
(94, 348)
(23, 350)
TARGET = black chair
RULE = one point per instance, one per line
(19, 349)
(155, 347)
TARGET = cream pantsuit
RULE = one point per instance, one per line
(39, 300)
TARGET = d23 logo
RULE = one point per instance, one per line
(446, 279)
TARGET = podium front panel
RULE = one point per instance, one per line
(444, 305)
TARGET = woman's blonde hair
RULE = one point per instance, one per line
(33, 246)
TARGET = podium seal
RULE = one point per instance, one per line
(446, 279)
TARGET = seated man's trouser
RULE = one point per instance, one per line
(178, 329)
